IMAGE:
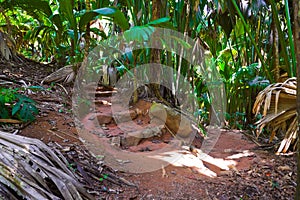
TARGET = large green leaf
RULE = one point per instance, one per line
(66, 9)
(28, 112)
(25, 108)
(16, 108)
(139, 33)
(34, 6)
(239, 28)
(162, 22)
(114, 15)
(159, 21)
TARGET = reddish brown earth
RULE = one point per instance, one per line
(259, 175)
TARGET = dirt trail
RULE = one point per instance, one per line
(257, 174)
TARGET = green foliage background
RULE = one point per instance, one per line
(250, 43)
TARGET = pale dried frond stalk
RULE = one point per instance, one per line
(279, 107)
(29, 169)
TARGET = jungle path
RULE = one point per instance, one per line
(257, 174)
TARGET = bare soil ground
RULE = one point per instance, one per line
(258, 173)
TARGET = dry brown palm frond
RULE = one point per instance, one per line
(29, 169)
(65, 74)
(278, 102)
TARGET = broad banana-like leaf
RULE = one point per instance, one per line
(66, 9)
(114, 15)
(139, 33)
(142, 33)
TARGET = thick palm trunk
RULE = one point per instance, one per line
(155, 53)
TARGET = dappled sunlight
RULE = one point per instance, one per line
(194, 159)
(183, 158)
(245, 153)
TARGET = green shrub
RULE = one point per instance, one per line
(15, 105)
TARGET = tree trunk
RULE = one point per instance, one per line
(275, 52)
(297, 52)
(87, 32)
(155, 54)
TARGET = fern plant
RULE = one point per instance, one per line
(15, 105)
